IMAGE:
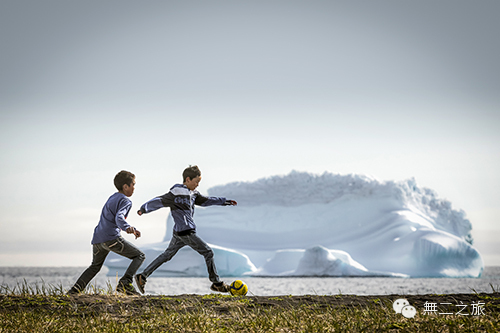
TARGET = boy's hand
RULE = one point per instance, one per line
(132, 230)
(139, 212)
(230, 203)
(137, 233)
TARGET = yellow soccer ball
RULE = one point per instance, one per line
(238, 288)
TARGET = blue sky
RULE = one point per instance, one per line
(245, 90)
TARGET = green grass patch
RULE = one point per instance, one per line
(52, 311)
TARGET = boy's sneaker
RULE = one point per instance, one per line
(140, 280)
(73, 291)
(127, 289)
(220, 287)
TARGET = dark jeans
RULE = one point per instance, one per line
(101, 251)
(176, 243)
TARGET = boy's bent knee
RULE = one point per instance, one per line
(208, 254)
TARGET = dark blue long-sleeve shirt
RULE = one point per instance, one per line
(112, 220)
(181, 201)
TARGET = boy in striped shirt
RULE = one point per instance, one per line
(181, 199)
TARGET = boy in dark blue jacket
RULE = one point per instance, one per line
(107, 237)
(181, 199)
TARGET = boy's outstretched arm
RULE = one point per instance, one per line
(202, 200)
(152, 205)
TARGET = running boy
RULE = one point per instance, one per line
(107, 237)
(181, 199)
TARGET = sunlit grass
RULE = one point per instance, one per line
(48, 309)
(24, 288)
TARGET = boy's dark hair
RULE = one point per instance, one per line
(124, 177)
(192, 172)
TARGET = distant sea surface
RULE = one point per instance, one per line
(65, 277)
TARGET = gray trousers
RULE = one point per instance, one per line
(178, 242)
(101, 251)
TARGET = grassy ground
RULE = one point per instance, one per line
(52, 311)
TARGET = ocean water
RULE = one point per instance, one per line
(65, 277)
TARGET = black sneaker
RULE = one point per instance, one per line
(127, 289)
(220, 287)
(140, 280)
(73, 291)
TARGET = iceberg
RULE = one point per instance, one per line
(316, 261)
(303, 224)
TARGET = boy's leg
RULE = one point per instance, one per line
(175, 245)
(124, 248)
(99, 254)
(199, 245)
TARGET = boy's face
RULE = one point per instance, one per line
(128, 190)
(192, 184)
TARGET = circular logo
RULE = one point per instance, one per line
(408, 311)
(399, 304)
